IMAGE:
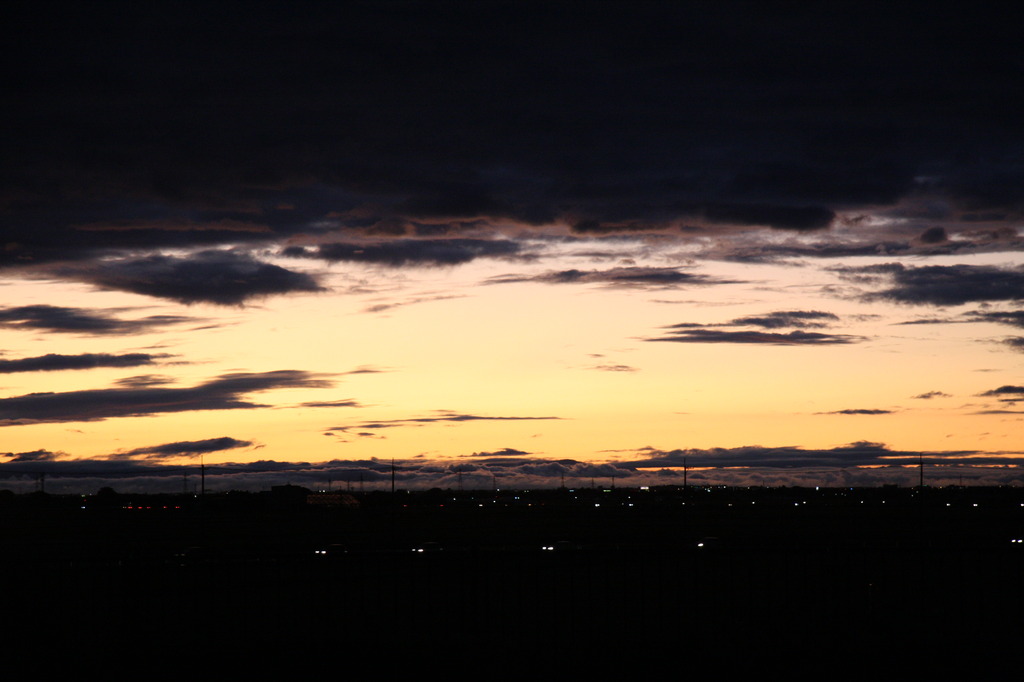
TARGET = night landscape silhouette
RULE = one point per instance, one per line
(524, 333)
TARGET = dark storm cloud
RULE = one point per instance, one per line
(1006, 393)
(763, 253)
(220, 277)
(930, 320)
(1011, 318)
(800, 218)
(690, 332)
(504, 452)
(80, 321)
(167, 225)
(1014, 318)
(468, 201)
(882, 232)
(144, 381)
(410, 252)
(95, 472)
(943, 284)
(54, 362)
(193, 448)
(932, 394)
(622, 277)
(794, 338)
(934, 235)
(442, 416)
(857, 454)
(595, 227)
(242, 117)
(222, 393)
(34, 456)
(1015, 342)
(788, 318)
(863, 463)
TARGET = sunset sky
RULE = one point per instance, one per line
(510, 244)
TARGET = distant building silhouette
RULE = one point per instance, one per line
(333, 499)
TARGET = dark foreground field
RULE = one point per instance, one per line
(864, 581)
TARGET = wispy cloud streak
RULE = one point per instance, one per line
(222, 393)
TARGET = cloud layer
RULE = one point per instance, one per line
(861, 463)
(80, 321)
(220, 277)
(793, 338)
(221, 393)
(608, 118)
(53, 362)
(945, 284)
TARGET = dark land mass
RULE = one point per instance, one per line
(748, 577)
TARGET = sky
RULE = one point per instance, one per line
(510, 245)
